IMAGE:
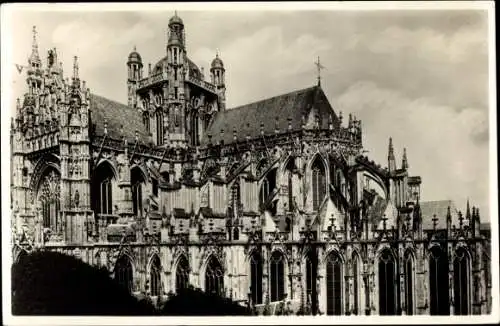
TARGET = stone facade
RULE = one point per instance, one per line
(271, 203)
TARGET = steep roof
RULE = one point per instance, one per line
(118, 115)
(247, 119)
(440, 209)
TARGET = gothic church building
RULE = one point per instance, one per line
(272, 204)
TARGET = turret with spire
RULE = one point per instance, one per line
(134, 65)
(404, 164)
(391, 158)
(217, 75)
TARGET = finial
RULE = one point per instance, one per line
(75, 68)
(467, 212)
(135, 48)
(405, 160)
(217, 53)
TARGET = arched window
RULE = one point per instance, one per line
(289, 175)
(277, 276)
(102, 189)
(408, 275)
(461, 282)
(311, 275)
(137, 180)
(182, 274)
(159, 128)
(256, 277)
(123, 273)
(318, 183)
(333, 284)
(194, 129)
(155, 276)
(439, 288)
(268, 186)
(355, 283)
(214, 277)
(145, 120)
(387, 283)
(49, 198)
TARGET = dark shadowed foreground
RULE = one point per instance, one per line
(48, 283)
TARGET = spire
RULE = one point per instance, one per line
(467, 212)
(75, 70)
(405, 160)
(390, 157)
(35, 57)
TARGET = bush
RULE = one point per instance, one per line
(194, 302)
(50, 283)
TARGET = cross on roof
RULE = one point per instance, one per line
(319, 66)
(434, 221)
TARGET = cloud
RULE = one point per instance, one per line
(437, 139)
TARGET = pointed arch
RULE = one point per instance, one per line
(438, 283)
(146, 121)
(318, 181)
(182, 274)
(48, 197)
(311, 264)
(214, 277)
(408, 267)
(102, 188)
(461, 279)
(334, 292)
(277, 279)
(123, 273)
(387, 283)
(356, 275)
(256, 275)
(155, 276)
(289, 168)
(159, 127)
(137, 182)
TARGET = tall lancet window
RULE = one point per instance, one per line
(159, 128)
(355, 283)
(318, 183)
(311, 275)
(49, 197)
(214, 277)
(145, 120)
(256, 269)
(155, 276)
(438, 283)
(277, 276)
(387, 283)
(182, 274)
(333, 284)
(289, 175)
(137, 180)
(123, 273)
(102, 194)
(461, 282)
(408, 275)
(194, 129)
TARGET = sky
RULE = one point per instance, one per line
(418, 76)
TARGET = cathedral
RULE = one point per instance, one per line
(272, 204)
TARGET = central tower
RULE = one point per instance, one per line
(174, 89)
